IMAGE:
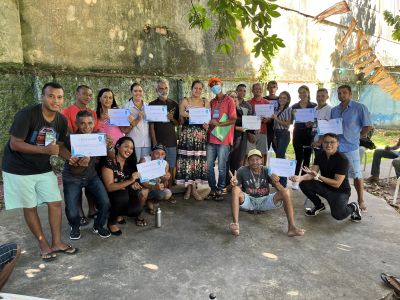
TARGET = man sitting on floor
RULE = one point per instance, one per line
(331, 183)
(155, 190)
(388, 152)
(251, 192)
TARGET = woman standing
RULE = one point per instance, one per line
(282, 120)
(119, 176)
(192, 158)
(302, 133)
(139, 130)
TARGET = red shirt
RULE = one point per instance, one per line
(225, 106)
(70, 113)
(253, 102)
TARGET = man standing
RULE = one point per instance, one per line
(78, 173)
(164, 133)
(261, 135)
(272, 87)
(220, 137)
(356, 123)
(251, 192)
(332, 182)
(322, 112)
(38, 131)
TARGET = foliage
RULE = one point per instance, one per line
(228, 14)
(393, 21)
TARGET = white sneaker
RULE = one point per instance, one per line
(295, 186)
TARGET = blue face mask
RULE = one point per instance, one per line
(216, 89)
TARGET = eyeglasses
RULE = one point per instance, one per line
(330, 143)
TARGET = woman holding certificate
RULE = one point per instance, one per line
(106, 101)
(192, 158)
(302, 133)
(282, 120)
(119, 177)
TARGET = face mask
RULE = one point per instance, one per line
(216, 89)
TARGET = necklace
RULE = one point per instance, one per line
(256, 182)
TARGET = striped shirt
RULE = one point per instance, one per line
(285, 115)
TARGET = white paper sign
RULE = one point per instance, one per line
(304, 115)
(151, 169)
(282, 167)
(156, 113)
(91, 144)
(264, 110)
(119, 117)
(251, 122)
(332, 126)
(199, 115)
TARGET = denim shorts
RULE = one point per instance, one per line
(354, 164)
(159, 195)
(259, 203)
(27, 191)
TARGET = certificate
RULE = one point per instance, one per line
(119, 117)
(91, 144)
(282, 167)
(304, 115)
(199, 115)
(151, 169)
(156, 113)
(251, 122)
(331, 126)
(264, 110)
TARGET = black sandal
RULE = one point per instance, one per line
(141, 222)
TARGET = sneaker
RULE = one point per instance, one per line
(102, 232)
(312, 212)
(295, 186)
(75, 233)
(356, 214)
(218, 196)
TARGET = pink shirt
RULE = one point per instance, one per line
(253, 102)
(227, 106)
(113, 132)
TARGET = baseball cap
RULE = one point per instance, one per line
(254, 152)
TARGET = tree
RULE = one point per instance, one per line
(393, 21)
(255, 14)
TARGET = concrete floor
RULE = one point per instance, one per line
(196, 255)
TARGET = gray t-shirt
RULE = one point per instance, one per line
(252, 184)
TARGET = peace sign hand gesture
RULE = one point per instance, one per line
(234, 180)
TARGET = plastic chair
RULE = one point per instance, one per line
(396, 191)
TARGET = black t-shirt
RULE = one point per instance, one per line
(30, 125)
(297, 106)
(252, 184)
(165, 132)
(130, 167)
(336, 164)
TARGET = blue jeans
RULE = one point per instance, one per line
(282, 139)
(378, 155)
(72, 195)
(222, 152)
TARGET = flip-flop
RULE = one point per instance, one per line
(48, 256)
(385, 276)
(141, 222)
(69, 250)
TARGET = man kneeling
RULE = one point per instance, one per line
(250, 192)
(332, 183)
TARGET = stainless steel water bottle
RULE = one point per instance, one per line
(158, 217)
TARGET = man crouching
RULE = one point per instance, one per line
(251, 192)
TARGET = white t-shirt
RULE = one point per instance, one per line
(140, 133)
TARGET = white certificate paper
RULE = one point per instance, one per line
(199, 115)
(156, 113)
(304, 115)
(282, 167)
(251, 122)
(118, 117)
(332, 126)
(151, 169)
(91, 144)
(264, 110)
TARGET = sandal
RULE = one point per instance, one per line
(385, 277)
(172, 200)
(211, 196)
(151, 211)
(234, 228)
(69, 250)
(141, 222)
(50, 256)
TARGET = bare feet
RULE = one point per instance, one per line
(362, 205)
(294, 231)
(46, 252)
(234, 228)
(113, 228)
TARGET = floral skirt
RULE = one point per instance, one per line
(191, 166)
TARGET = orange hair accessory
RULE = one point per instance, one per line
(214, 79)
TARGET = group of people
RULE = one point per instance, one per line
(111, 183)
